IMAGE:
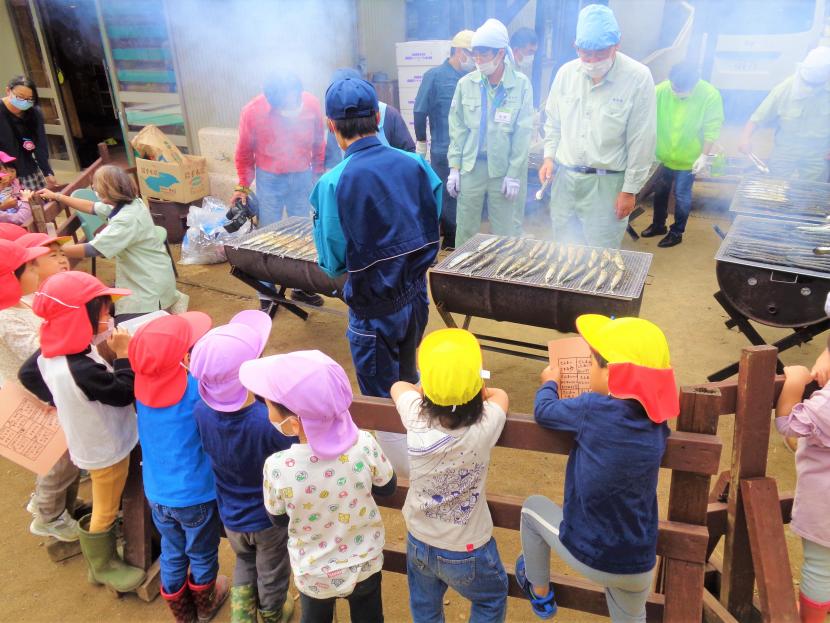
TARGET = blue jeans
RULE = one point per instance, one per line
(683, 181)
(383, 349)
(286, 190)
(189, 536)
(477, 575)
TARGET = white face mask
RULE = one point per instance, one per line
(489, 67)
(526, 64)
(598, 69)
(827, 305)
(104, 335)
(279, 425)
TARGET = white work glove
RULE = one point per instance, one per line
(453, 183)
(510, 188)
(421, 148)
(701, 165)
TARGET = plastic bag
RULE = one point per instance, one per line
(206, 237)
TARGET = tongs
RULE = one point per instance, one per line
(759, 164)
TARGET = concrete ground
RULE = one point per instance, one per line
(678, 297)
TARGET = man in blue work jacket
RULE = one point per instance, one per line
(376, 218)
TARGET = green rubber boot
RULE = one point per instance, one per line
(105, 567)
(278, 616)
(243, 604)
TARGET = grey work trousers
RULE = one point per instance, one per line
(262, 561)
(626, 594)
(57, 490)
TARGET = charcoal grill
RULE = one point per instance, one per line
(259, 267)
(768, 273)
(529, 300)
(782, 199)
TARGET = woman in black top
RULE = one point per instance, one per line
(23, 134)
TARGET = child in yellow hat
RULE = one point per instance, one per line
(452, 423)
(607, 527)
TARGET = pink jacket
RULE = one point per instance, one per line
(810, 421)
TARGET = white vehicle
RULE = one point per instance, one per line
(759, 42)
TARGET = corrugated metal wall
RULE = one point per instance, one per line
(225, 48)
(381, 23)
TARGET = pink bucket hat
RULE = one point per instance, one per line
(217, 357)
(314, 387)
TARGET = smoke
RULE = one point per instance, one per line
(226, 48)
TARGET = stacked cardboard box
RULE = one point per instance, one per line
(218, 146)
(414, 59)
(165, 173)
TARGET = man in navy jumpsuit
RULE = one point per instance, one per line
(376, 217)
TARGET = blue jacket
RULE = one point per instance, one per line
(175, 467)
(238, 444)
(376, 217)
(610, 510)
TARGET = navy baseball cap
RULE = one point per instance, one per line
(350, 98)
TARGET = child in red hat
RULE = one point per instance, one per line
(55, 493)
(95, 406)
(178, 480)
(606, 529)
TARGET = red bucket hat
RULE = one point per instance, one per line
(12, 257)
(61, 302)
(10, 231)
(41, 240)
(156, 354)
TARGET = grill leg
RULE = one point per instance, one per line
(446, 316)
(277, 296)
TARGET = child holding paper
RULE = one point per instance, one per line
(55, 493)
(14, 199)
(607, 527)
(95, 406)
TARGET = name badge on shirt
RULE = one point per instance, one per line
(502, 116)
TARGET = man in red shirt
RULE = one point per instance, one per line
(282, 147)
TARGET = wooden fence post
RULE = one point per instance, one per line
(756, 387)
(688, 503)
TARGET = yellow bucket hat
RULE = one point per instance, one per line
(639, 367)
(625, 340)
(450, 365)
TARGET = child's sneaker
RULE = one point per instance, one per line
(64, 528)
(543, 607)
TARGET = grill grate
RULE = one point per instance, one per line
(630, 286)
(789, 199)
(291, 237)
(776, 244)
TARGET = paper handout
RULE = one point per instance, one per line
(573, 356)
(30, 434)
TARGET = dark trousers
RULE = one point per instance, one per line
(262, 561)
(383, 349)
(365, 604)
(683, 181)
(442, 169)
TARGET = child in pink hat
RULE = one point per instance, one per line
(238, 437)
(14, 200)
(322, 487)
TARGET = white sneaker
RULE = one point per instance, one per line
(30, 506)
(64, 528)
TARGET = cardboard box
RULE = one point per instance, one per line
(429, 52)
(169, 181)
(406, 97)
(152, 144)
(411, 77)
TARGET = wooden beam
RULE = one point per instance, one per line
(769, 550)
(676, 540)
(749, 460)
(692, 452)
(571, 591)
(138, 524)
(682, 577)
(714, 611)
